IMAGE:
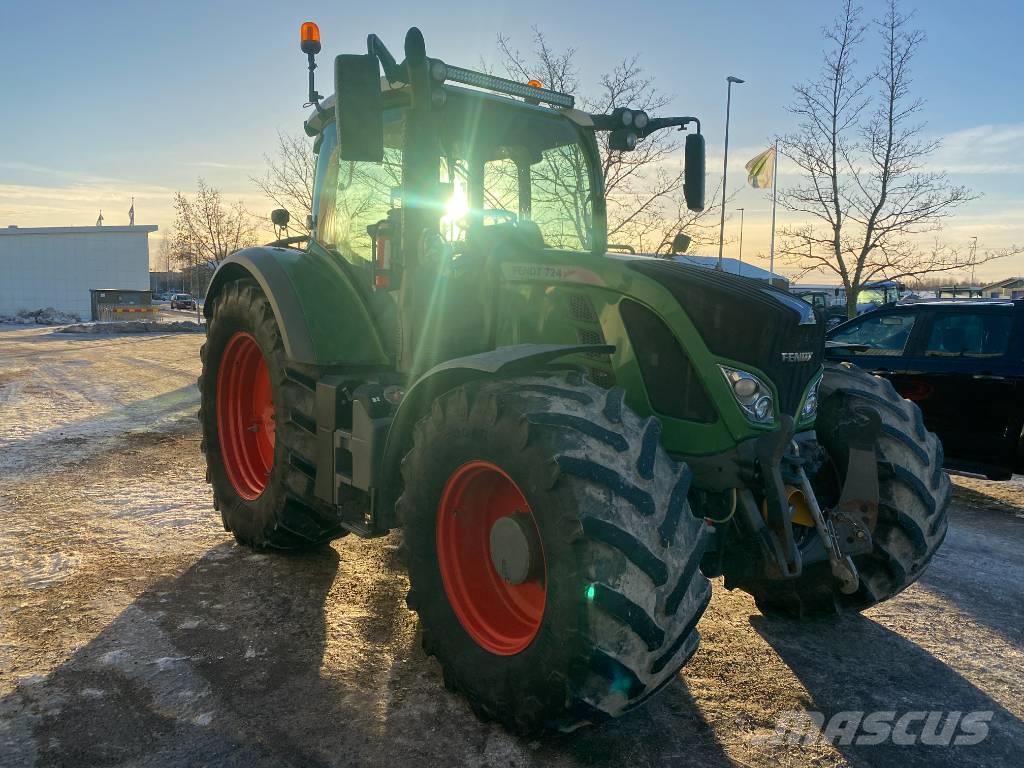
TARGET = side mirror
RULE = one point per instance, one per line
(693, 174)
(680, 243)
(280, 217)
(358, 109)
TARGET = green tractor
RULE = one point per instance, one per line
(572, 441)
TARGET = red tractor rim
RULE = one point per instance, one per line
(245, 416)
(502, 618)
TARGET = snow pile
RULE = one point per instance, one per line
(48, 316)
(134, 326)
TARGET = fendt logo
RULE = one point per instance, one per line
(797, 357)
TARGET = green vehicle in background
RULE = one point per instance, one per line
(572, 441)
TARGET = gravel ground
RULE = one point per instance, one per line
(134, 632)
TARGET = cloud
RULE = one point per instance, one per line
(223, 166)
(57, 197)
(983, 149)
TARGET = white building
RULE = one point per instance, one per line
(56, 266)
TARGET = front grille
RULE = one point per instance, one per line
(744, 320)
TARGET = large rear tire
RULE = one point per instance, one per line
(259, 428)
(914, 494)
(607, 614)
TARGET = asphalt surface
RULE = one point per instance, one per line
(134, 632)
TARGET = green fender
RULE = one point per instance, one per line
(503, 362)
(324, 320)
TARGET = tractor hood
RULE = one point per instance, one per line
(747, 321)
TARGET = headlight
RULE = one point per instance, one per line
(752, 395)
(809, 409)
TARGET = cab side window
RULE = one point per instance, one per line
(882, 334)
(350, 196)
(969, 334)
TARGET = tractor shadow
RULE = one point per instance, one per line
(307, 660)
(855, 664)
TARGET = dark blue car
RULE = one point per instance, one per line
(962, 362)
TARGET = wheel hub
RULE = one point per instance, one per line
(515, 548)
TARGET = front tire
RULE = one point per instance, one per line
(259, 428)
(914, 494)
(607, 613)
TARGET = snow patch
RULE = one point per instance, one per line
(47, 316)
(134, 326)
(203, 719)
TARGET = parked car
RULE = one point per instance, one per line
(182, 301)
(962, 362)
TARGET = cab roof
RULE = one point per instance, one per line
(323, 115)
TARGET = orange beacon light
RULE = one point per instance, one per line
(309, 35)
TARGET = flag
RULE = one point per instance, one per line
(99, 221)
(131, 214)
(761, 168)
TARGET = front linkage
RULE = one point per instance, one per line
(864, 499)
(778, 466)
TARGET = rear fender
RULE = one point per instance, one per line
(322, 316)
(503, 362)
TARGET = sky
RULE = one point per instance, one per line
(103, 101)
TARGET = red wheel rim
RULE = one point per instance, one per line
(502, 618)
(245, 416)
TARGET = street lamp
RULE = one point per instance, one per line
(739, 269)
(974, 258)
(725, 164)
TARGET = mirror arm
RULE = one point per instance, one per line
(393, 71)
(611, 123)
(660, 123)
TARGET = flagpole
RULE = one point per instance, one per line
(775, 187)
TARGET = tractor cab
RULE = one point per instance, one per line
(499, 174)
(432, 177)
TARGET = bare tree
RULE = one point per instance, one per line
(168, 257)
(643, 188)
(288, 181)
(861, 149)
(207, 230)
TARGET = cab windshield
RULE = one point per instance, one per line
(511, 163)
(499, 164)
